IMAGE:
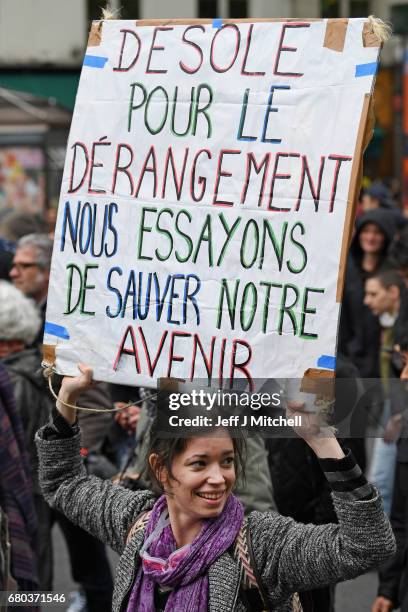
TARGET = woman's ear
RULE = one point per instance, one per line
(158, 469)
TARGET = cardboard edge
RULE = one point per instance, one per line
(370, 39)
(335, 36)
(319, 382)
(49, 357)
(170, 385)
(364, 134)
(319, 373)
(95, 34)
(164, 22)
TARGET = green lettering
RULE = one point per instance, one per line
(246, 325)
(230, 305)
(144, 230)
(288, 309)
(301, 249)
(166, 233)
(305, 310)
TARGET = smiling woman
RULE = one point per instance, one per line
(188, 549)
(197, 475)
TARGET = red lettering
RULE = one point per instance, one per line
(277, 175)
(208, 361)
(146, 168)
(241, 366)
(172, 356)
(119, 168)
(153, 47)
(251, 161)
(315, 192)
(124, 351)
(100, 143)
(119, 67)
(339, 160)
(178, 181)
(237, 43)
(221, 173)
(202, 181)
(281, 48)
(73, 189)
(195, 46)
(247, 48)
(152, 366)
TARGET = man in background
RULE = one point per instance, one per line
(383, 295)
(30, 271)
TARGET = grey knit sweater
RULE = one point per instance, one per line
(289, 556)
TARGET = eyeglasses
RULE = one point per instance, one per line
(24, 266)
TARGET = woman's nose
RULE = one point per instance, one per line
(215, 475)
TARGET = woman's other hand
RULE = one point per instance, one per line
(315, 431)
(382, 604)
(71, 388)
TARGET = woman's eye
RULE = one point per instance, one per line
(229, 461)
(198, 463)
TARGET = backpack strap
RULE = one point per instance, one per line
(252, 590)
(139, 525)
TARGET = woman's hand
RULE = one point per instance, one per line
(315, 431)
(71, 388)
(382, 604)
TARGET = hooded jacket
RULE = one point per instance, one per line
(385, 200)
(359, 331)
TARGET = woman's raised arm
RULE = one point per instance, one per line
(98, 506)
(293, 557)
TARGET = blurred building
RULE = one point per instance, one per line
(42, 43)
(41, 50)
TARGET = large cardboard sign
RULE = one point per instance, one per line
(207, 198)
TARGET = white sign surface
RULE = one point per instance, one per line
(204, 201)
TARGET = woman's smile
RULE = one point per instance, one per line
(212, 498)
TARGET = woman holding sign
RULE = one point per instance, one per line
(191, 548)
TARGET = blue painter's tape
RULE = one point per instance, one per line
(326, 361)
(217, 23)
(366, 69)
(56, 330)
(95, 61)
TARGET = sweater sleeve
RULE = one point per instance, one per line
(102, 508)
(294, 557)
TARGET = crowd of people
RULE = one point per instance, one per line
(340, 530)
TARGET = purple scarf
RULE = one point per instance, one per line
(186, 571)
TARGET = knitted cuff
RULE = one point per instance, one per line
(346, 478)
(58, 427)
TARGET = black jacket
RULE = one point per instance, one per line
(33, 400)
(359, 331)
